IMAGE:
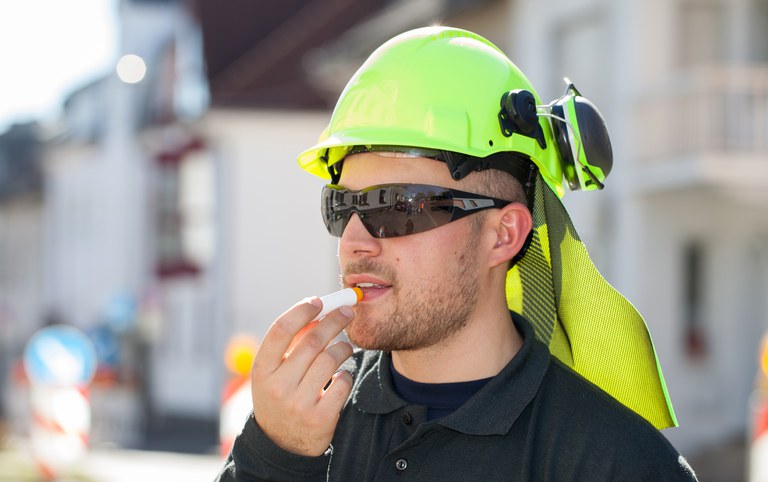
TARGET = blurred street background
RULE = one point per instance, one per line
(150, 198)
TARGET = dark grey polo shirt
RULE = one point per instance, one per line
(537, 420)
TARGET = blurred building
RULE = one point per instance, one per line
(21, 235)
(172, 211)
(159, 227)
(127, 246)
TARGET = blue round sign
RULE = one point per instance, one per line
(60, 355)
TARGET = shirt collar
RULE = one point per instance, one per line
(500, 401)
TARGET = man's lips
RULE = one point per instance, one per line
(372, 287)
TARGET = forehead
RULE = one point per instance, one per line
(370, 169)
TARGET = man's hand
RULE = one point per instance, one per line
(290, 373)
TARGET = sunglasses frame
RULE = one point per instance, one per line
(461, 203)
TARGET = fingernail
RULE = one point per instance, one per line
(315, 301)
(347, 312)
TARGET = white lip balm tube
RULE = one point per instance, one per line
(337, 299)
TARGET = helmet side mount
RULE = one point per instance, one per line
(518, 114)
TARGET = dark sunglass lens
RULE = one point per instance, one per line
(408, 210)
(333, 211)
(335, 223)
(388, 211)
(430, 207)
(391, 224)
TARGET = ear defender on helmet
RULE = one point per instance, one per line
(582, 139)
(578, 127)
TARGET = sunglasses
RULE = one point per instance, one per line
(392, 210)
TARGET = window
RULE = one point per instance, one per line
(184, 211)
(694, 331)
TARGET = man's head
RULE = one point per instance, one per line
(426, 109)
(422, 287)
(441, 107)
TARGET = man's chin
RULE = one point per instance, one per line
(378, 343)
(367, 341)
(364, 342)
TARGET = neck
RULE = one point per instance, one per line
(481, 349)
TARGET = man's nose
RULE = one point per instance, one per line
(357, 241)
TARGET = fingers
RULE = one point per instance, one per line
(293, 401)
(282, 332)
(291, 344)
(323, 368)
(298, 337)
(313, 342)
(335, 396)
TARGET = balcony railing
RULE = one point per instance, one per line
(713, 110)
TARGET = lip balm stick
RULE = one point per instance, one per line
(337, 299)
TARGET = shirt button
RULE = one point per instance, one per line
(401, 464)
(407, 418)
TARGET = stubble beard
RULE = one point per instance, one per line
(417, 316)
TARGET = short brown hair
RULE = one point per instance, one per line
(493, 183)
(498, 184)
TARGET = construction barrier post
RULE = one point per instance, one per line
(236, 402)
(60, 362)
(758, 446)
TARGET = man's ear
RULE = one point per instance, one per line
(513, 223)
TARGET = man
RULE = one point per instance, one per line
(490, 348)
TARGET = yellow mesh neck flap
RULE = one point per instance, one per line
(586, 323)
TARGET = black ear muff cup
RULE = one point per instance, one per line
(577, 116)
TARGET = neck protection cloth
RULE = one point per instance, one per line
(586, 323)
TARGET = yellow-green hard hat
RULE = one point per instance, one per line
(444, 88)
(435, 88)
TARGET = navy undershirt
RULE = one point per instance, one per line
(441, 399)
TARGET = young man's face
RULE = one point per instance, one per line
(420, 288)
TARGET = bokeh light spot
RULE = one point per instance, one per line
(131, 68)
